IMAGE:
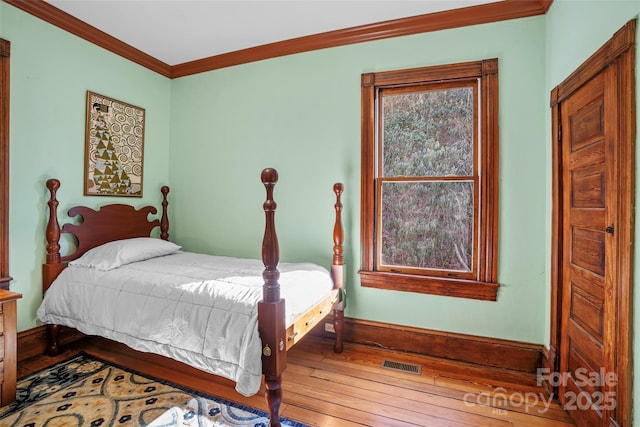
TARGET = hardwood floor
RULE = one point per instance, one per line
(325, 389)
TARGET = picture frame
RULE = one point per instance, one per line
(114, 147)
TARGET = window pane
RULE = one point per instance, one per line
(428, 133)
(427, 224)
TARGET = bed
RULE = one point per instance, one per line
(229, 316)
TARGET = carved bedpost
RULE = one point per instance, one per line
(52, 268)
(337, 269)
(338, 231)
(53, 228)
(164, 220)
(270, 247)
(271, 312)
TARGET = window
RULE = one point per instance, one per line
(429, 203)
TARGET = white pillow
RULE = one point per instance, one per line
(121, 252)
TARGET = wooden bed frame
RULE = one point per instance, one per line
(119, 221)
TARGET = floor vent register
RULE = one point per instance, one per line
(402, 367)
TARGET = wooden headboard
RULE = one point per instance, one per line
(106, 224)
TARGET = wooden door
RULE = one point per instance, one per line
(594, 187)
(589, 212)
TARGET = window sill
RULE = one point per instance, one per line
(430, 285)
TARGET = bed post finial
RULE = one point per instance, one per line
(270, 249)
(53, 228)
(164, 220)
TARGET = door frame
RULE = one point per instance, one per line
(618, 51)
(5, 52)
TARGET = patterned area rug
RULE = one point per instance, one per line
(85, 391)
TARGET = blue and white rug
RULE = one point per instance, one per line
(88, 392)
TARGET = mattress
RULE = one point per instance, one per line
(196, 308)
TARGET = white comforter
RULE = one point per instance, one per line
(199, 309)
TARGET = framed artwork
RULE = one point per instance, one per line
(113, 147)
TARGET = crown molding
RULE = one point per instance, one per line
(545, 4)
(474, 15)
(53, 15)
(482, 14)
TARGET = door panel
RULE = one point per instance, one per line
(587, 311)
(588, 188)
(587, 248)
(587, 125)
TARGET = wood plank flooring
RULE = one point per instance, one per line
(325, 389)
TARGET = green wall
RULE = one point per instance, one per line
(573, 34)
(51, 71)
(301, 115)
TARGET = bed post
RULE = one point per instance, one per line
(337, 269)
(52, 267)
(271, 313)
(164, 220)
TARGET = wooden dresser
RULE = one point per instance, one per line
(8, 346)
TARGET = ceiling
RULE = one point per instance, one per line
(179, 31)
